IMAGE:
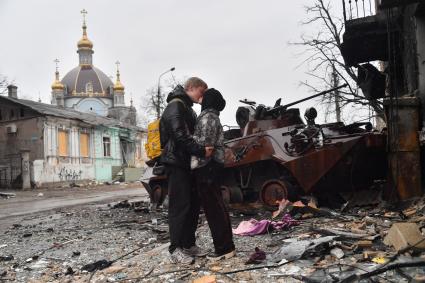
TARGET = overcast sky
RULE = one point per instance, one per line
(238, 47)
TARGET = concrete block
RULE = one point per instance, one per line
(402, 235)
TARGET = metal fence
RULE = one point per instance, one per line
(10, 170)
(355, 9)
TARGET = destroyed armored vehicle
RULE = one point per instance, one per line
(274, 155)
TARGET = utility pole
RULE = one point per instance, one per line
(159, 99)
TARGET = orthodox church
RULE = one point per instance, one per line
(87, 89)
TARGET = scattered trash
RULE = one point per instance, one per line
(97, 265)
(7, 195)
(337, 252)
(76, 253)
(39, 264)
(40, 195)
(69, 271)
(122, 204)
(26, 235)
(6, 258)
(297, 249)
(254, 227)
(379, 260)
(257, 257)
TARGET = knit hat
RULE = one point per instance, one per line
(213, 99)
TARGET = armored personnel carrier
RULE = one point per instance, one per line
(275, 155)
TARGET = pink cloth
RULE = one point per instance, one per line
(253, 227)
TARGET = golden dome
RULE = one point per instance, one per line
(118, 86)
(57, 85)
(84, 42)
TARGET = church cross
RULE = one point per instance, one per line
(84, 13)
(57, 63)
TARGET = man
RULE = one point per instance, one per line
(176, 129)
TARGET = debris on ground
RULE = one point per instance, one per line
(120, 242)
(253, 227)
(403, 235)
(7, 195)
(257, 257)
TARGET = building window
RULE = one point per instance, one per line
(84, 145)
(12, 114)
(22, 112)
(63, 141)
(106, 146)
(89, 87)
(1, 116)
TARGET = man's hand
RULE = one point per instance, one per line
(208, 151)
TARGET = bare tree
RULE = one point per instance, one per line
(322, 55)
(153, 104)
(3, 84)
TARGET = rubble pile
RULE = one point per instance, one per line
(128, 241)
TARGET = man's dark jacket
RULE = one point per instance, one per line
(176, 129)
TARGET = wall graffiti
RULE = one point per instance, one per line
(69, 174)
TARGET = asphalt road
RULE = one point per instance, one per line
(30, 202)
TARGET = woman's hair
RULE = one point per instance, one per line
(213, 99)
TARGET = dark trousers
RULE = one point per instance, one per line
(208, 185)
(183, 209)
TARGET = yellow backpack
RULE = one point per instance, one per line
(153, 144)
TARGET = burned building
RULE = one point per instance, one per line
(394, 36)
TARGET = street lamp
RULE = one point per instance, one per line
(158, 95)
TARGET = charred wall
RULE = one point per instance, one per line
(28, 136)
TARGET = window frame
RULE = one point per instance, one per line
(88, 144)
(106, 146)
(66, 132)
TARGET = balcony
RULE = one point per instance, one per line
(355, 9)
(366, 32)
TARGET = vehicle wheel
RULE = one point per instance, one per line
(274, 191)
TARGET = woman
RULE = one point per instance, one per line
(209, 132)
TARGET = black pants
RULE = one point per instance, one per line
(183, 209)
(208, 185)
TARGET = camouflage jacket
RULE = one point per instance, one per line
(209, 132)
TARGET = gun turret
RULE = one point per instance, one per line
(280, 108)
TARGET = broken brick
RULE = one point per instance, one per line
(403, 235)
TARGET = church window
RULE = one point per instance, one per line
(106, 146)
(84, 144)
(63, 141)
(89, 87)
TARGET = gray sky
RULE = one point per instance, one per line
(238, 47)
